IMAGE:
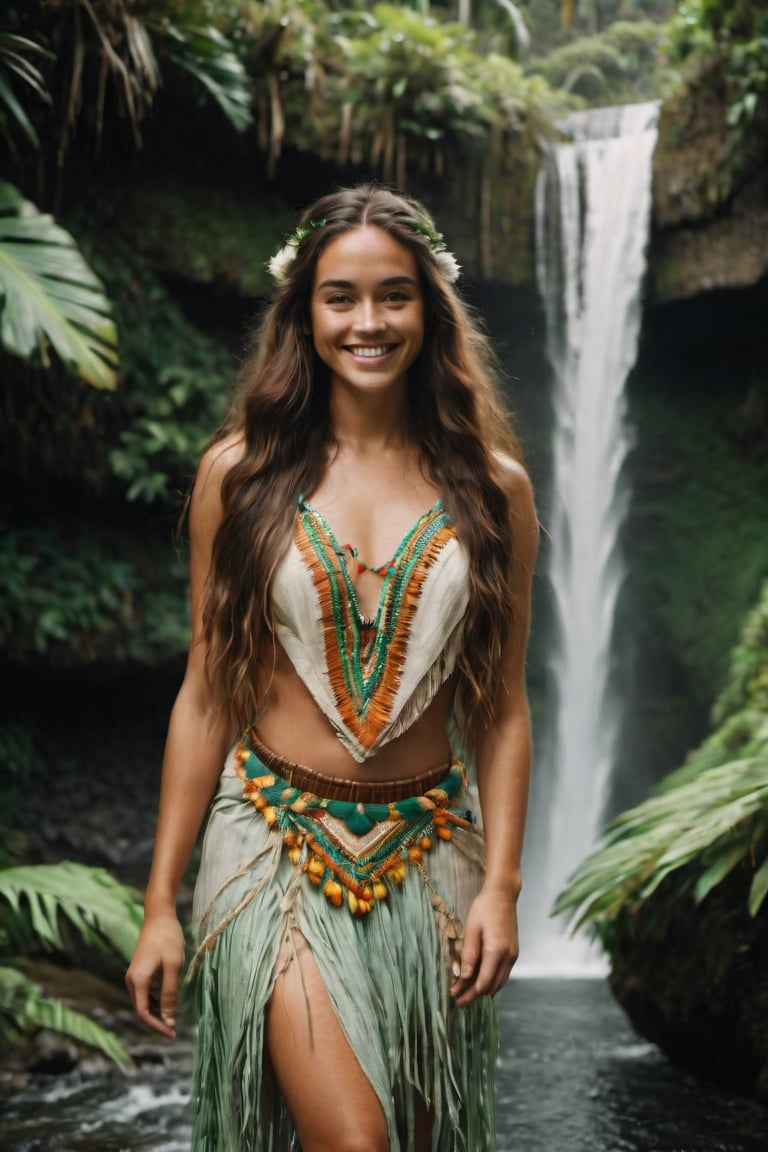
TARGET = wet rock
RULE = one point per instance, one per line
(53, 1053)
(694, 980)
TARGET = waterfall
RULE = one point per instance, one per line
(593, 203)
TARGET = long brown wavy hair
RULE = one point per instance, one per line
(282, 413)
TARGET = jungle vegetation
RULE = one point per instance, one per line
(703, 821)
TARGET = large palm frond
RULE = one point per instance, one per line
(38, 898)
(49, 295)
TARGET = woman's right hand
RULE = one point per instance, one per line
(156, 966)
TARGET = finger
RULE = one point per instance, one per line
(139, 985)
(169, 993)
(470, 958)
(489, 975)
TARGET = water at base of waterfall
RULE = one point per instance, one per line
(572, 1077)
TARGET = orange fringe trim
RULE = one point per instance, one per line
(366, 722)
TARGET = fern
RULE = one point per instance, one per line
(706, 819)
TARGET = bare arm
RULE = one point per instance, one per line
(194, 753)
(503, 770)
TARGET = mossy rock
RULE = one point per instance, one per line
(694, 980)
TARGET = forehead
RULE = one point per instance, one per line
(365, 252)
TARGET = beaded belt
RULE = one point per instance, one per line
(347, 835)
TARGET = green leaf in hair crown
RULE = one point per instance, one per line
(445, 260)
(280, 264)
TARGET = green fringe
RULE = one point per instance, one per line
(388, 978)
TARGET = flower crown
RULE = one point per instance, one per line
(280, 264)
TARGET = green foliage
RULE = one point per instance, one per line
(37, 904)
(704, 820)
(73, 596)
(18, 66)
(725, 43)
(37, 899)
(175, 388)
(622, 62)
(207, 233)
(144, 439)
(210, 58)
(383, 85)
(111, 55)
(48, 293)
(24, 1006)
(697, 562)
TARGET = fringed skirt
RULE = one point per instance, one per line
(377, 880)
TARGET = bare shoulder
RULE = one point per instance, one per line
(217, 460)
(215, 463)
(516, 484)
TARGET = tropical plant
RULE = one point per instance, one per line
(38, 904)
(98, 42)
(18, 65)
(75, 595)
(619, 62)
(49, 295)
(703, 821)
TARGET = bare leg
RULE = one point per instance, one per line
(332, 1103)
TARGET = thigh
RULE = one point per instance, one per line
(331, 1100)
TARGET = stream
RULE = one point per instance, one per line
(572, 1077)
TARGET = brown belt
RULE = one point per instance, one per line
(338, 788)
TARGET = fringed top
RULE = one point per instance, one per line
(372, 678)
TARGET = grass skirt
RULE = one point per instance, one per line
(387, 972)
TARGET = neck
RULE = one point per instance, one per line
(369, 424)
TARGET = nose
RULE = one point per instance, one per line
(368, 318)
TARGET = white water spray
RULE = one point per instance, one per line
(592, 216)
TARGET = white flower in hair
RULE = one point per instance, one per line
(445, 260)
(280, 264)
(448, 265)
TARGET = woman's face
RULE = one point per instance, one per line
(367, 311)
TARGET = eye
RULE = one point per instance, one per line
(397, 296)
(339, 298)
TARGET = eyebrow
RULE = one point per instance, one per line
(388, 283)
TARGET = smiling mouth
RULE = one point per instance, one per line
(371, 351)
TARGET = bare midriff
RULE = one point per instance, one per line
(294, 728)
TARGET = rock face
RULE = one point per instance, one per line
(693, 980)
(710, 192)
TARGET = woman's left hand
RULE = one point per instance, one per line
(490, 946)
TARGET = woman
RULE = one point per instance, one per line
(362, 544)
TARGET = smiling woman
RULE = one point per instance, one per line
(356, 901)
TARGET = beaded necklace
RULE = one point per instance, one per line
(382, 570)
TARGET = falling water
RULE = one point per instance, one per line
(592, 214)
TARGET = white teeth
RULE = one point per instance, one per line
(379, 350)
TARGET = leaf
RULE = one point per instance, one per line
(26, 1006)
(47, 291)
(759, 888)
(100, 908)
(209, 57)
(717, 871)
